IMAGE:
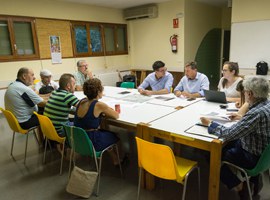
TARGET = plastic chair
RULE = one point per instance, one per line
(262, 165)
(127, 85)
(50, 133)
(160, 161)
(83, 146)
(15, 126)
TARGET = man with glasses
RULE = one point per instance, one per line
(247, 139)
(160, 81)
(193, 83)
(82, 74)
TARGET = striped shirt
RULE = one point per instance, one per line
(253, 129)
(58, 107)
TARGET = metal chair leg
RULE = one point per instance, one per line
(117, 153)
(62, 158)
(12, 144)
(26, 144)
(99, 174)
(44, 155)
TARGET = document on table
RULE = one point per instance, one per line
(217, 116)
(200, 130)
(137, 98)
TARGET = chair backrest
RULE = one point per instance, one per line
(262, 165)
(13, 122)
(127, 85)
(83, 145)
(157, 159)
(48, 129)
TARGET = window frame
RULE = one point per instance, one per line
(14, 55)
(102, 26)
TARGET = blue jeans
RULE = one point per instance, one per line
(235, 154)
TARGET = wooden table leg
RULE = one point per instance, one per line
(214, 172)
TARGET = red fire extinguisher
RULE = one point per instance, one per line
(173, 41)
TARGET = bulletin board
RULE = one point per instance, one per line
(250, 43)
(46, 28)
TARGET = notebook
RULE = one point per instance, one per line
(215, 96)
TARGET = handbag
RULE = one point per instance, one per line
(81, 183)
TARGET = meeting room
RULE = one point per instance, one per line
(146, 99)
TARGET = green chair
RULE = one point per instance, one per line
(83, 146)
(127, 85)
(262, 165)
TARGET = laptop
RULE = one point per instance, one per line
(215, 96)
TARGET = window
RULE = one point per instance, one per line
(97, 39)
(18, 39)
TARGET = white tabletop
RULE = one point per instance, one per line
(185, 118)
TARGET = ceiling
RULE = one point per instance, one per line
(121, 4)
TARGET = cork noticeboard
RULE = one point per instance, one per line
(46, 28)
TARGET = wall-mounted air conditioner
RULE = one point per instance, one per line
(140, 12)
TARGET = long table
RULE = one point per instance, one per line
(153, 118)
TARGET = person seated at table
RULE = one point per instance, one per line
(229, 81)
(22, 101)
(89, 114)
(193, 83)
(45, 87)
(82, 74)
(160, 81)
(60, 103)
(247, 139)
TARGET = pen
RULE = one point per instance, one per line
(199, 124)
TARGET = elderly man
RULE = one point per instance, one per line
(247, 139)
(82, 74)
(61, 101)
(160, 80)
(21, 100)
(46, 85)
(193, 83)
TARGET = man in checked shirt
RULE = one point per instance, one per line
(247, 139)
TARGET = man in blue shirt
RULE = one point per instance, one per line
(247, 139)
(193, 83)
(160, 81)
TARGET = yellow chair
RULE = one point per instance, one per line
(50, 133)
(15, 126)
(160, 161)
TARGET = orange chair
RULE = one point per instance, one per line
(50, 133)
(160, 161)
(15, 126)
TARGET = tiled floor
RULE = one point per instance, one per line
(38, 181)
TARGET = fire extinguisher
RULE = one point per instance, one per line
(173, 41)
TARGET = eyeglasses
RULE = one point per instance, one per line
(84, 65)
(224, 70)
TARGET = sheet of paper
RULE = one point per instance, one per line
(200, 130)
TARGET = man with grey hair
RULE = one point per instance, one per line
(247, 139)
(46, 84)
(21, 100)
(82, 74)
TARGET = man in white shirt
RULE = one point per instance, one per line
(82, 74)
(46, 85)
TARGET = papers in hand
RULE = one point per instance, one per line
(199, 129)
(220, 117)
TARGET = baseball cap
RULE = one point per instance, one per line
(45, 72)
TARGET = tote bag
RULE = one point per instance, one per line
(81, 183)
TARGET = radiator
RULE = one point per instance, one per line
(109, 78)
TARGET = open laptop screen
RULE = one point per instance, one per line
(215, 96)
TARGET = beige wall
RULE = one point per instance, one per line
(149, 38)
(250, 10)
(59, 10)
(199, 19)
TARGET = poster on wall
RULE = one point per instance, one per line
(55, 46)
